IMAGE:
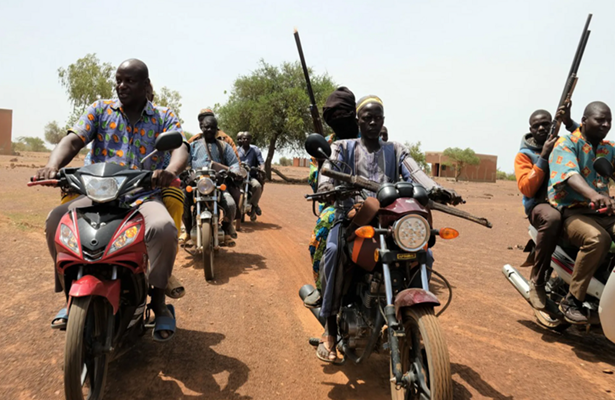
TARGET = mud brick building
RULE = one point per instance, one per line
(6, 127)
(483, 172)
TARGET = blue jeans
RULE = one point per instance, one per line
(329, 265)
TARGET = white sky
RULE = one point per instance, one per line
(450, 73)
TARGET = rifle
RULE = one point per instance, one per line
(313, 108)
(572, 77)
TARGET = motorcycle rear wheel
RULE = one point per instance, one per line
(85, 366)
(431, 357)
(208, 251)
(557, 290)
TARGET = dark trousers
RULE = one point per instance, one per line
(547, 221)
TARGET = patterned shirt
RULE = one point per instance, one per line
(573, 155)
(199, 155)
(374, 166)
(115, 140)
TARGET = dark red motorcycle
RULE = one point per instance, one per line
(387, 303)
(102, 261)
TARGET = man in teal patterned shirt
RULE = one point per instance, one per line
(573, 185)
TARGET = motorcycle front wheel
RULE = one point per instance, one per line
(85, 364)
(208, 251)
(424, 357)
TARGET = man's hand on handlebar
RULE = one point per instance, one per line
(162, 178)
(601, 201)
(446, 196)
(48, 172)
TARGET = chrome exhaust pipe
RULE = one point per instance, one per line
(305, 292)
(517, 280)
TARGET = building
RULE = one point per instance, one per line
(483, 172)
(301, 162)
(6, 128)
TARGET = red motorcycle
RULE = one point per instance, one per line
(102, 261)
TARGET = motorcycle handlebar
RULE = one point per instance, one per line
(352, 179)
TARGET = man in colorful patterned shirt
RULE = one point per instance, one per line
(123, 132)
(574, 184)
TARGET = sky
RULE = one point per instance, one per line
(450, 73)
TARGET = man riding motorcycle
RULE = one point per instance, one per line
(203, 151)
(371, 158)
(251, 155)
(123, 131)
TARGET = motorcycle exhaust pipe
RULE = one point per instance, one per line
(517, 280)
(305, 292)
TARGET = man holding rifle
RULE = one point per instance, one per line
(574, 184)
(532, 172)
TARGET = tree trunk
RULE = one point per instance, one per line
(458, 168)
(287, 179)
(270, 153)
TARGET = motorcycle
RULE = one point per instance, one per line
(600, 300)
(245, 206)
(102, 261)
(207, 185)
(388, 303)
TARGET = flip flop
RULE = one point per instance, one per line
(164, 324)
(325, 354)
(60, 320)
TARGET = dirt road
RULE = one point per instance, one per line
(245, 335)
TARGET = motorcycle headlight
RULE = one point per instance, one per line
(411, 232)
(205, 186)
(126, 238)
(68, 238)
(101, 190)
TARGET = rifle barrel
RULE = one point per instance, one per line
(304, 67)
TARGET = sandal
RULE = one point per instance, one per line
(164, 324)
(325, 354)
(60, 320)
(174, 289)
(228, 241)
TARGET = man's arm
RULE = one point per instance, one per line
(530, 176)
(62, 154)
(179, 156)
(410, 170)
(324, 182)
(230, 159)
(259, 157)
(78, 136)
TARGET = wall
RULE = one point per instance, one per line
(486, 171)
(6, 127)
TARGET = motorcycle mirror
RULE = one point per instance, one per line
(604, 167)
(170, 140)
(317, 146)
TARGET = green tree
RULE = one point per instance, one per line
(503, 176)
(169, 98)
(286, 162)
(54, 133)
(86, 81)
(27, 143)
(418, 155)
(272, 103)
(459, 158)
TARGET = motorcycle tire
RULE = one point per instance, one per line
(557, 290)
(423, 328)
(208, 251)
(86, 322)
(240, 220)
(546, 320)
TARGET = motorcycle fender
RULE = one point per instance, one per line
(412, 297)
(91, 286)
(205, 215)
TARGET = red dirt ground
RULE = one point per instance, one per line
(245, 335)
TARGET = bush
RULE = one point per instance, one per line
(26, 143)
(286, 162)
(503, 176)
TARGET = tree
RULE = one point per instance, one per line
(418, 155)
(169, 98)
(286, 162)
(86, 81)
(503, 176)
(272, 103)
(53, 132)
(26, 143)
(459, 158)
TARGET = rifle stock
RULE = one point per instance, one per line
(571, 82)
(318, 128)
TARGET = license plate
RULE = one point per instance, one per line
(406, 256)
